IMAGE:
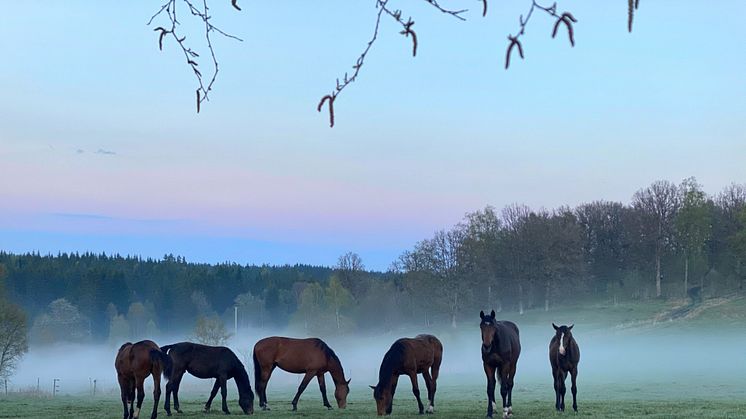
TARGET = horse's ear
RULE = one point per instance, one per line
(555, 326)
(348, 381)
(481, 314)
(492, 314)
(571, 326)
(373, 387)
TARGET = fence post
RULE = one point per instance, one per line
(55, 386)
(94, 387)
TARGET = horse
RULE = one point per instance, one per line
(206, 362)
(501, 347)
(312, 357)
(564, 355)
(134, 363)
(409, 356)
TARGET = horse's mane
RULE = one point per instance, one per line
(393, 358)
(329, 352)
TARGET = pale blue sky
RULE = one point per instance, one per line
(259, 177)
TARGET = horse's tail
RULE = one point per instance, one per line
(257, 370)
(159, 356)
(438, 358)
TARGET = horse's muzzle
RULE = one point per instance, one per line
(486, 348)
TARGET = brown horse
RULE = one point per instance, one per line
(311, 357)
(409, 357)
(501, 347)
(134, 363)
(203, 361)
(564, 355)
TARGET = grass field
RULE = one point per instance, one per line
(469, 405)
(638, 360)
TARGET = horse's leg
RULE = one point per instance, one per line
(504, 389)
(131, 397)
(124, 390)
(394, 382)
(430, 394)
(172, 388)
(261, 387)
(167, 401)
(563, 389)
(175, 383)
(303, 384)
(555, 377)
(416, 391)
(322, 387)
(574, 388)
(490, 372)
(224, 394)
(511, 377)
(156, 392)
(213, 393)
(140, 396)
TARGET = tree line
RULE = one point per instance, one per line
(668, 240)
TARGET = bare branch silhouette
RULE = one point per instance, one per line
(632, 5)
(205, 83)
(514, 40)
(192, 57)
(407, 31)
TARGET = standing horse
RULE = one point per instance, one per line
(134, 363)
(564, 355)
(204, 361)
(501, 347)
(312, 357)
(409, 357)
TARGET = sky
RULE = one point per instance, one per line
(101, 148)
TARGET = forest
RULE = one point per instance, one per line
(670, 241)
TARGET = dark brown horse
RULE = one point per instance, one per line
(501, 347)
(311, 357)
(564, 355)
(134, 363)
(421, 355)
(204, 361)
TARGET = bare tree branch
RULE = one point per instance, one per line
(565, 18)
(407, 31)
(205, 84)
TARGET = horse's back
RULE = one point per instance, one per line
(292, 354)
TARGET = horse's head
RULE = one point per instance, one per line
(488, 330)
(341, 392)
(563, 335)
(247, 403)
(383, 399)
(245, 394)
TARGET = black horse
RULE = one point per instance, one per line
(564, 355)
(501, 348)
(204, 361)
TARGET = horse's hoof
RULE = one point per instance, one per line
(329, 408)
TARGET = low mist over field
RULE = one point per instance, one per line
(637, 359)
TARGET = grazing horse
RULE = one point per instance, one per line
(206, 362)
(134, 363)
(564, 355)
(501, 348)
(409, 357)
(312, 357)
